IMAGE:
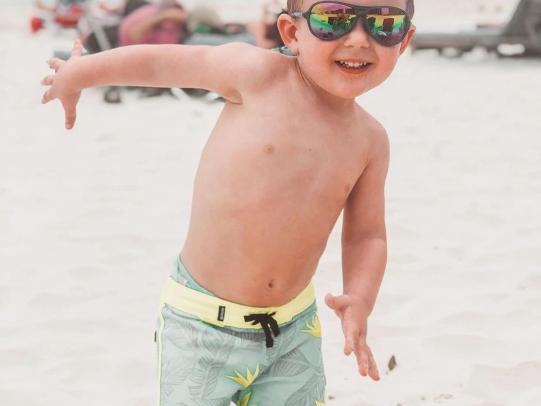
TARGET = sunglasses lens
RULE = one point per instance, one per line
(329, 21)
(387, 25)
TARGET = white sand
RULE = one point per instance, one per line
(91, 220)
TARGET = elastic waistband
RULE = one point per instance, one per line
(222, 313)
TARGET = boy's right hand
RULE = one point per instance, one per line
(61, 87)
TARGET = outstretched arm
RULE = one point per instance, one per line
(364, 254)
(229, 70)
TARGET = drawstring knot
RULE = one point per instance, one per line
(266, 320)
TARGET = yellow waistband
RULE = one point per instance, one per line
(219, 312)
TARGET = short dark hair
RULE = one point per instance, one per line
(296, 5)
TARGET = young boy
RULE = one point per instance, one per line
(291, 150)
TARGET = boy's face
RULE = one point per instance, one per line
(319, 60)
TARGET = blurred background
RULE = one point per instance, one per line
(91, 220)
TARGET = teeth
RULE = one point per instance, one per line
(353, 64)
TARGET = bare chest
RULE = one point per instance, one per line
(272, 156)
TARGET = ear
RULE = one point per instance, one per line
(407, 40)
(288, 32)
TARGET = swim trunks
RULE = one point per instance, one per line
(212, 352)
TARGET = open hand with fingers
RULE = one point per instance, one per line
(353, 315)
(61, 87)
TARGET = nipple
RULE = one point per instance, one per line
(269, 149)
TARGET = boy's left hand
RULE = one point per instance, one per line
(354, 315)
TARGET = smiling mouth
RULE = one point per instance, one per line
(353, 66)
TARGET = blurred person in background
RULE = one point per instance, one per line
(163, 23)
(266, 30)
(122, 9)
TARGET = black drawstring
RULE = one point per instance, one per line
(265, 319)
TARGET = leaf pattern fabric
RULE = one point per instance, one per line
(292, 364)
(205, 365)
(309, 392)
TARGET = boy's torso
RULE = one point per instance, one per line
(272, 181)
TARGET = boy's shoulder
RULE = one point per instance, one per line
(368, 121)
(375, 133)
(239, 70)
(256, 64)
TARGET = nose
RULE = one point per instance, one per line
(358, 36)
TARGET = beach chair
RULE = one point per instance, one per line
(524, 28)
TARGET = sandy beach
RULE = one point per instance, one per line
(91, 221)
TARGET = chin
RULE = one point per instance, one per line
(351, 87)
(348, 91)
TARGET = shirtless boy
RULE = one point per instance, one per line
(291, 150)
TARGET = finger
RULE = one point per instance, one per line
(77, 49)
(71, 116)
(55, 63)
(337, 303)
(362, 359)
(47, 80)
(352, 339)
(47, 97)
(372, 366)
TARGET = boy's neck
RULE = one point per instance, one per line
(323, 97)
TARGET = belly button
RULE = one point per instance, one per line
(271, 284)
(269, 149)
